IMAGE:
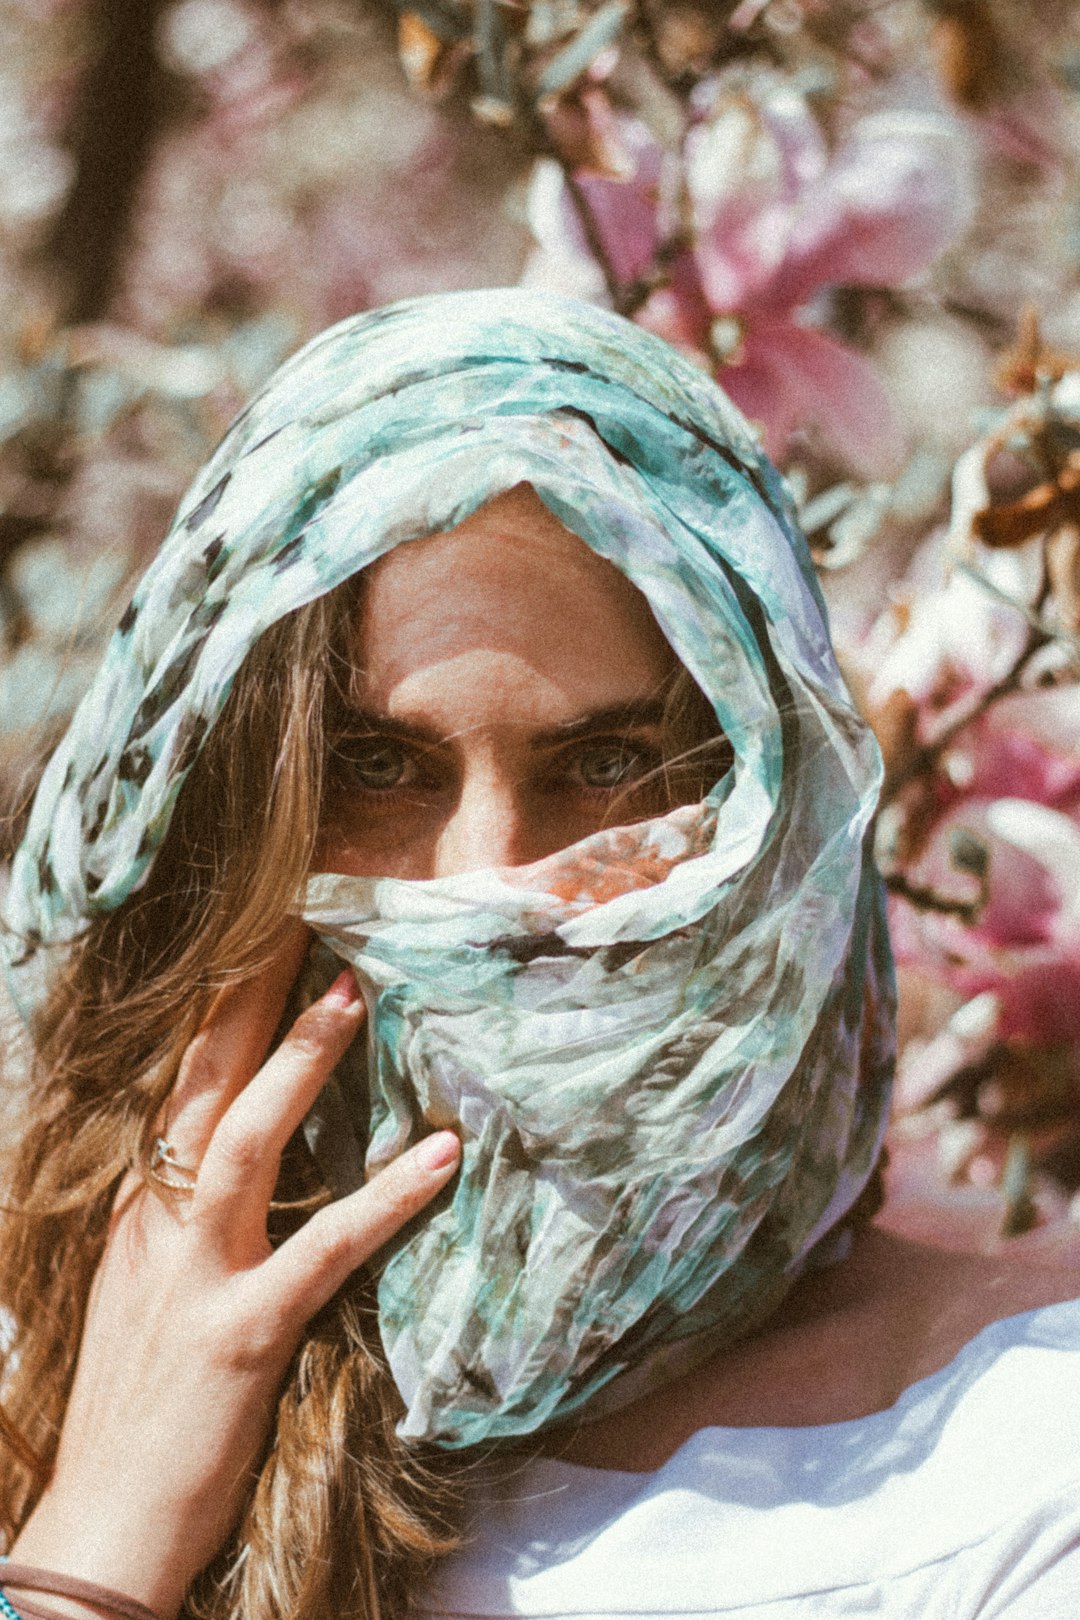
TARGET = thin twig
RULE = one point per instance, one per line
(924, 899)
(594, 240)
(926, 757)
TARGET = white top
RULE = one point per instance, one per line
(962, 1500)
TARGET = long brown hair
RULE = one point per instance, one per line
(343, 1517)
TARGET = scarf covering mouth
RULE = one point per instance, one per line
(667, 1049)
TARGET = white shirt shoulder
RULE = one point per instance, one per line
(962, 1500)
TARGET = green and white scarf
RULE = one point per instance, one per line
(668, 1048)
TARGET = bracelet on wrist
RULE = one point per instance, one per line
(28, 1611)
(28, 1578)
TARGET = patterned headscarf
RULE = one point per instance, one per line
(668, 1048)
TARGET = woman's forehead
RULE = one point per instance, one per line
(511, 582)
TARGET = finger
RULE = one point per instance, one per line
(240, 1167)
(312, 1265)
(229, 1047)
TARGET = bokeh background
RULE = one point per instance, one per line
(863, 217)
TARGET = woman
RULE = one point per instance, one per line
(489, 614)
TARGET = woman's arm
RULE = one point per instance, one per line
(193, 1317)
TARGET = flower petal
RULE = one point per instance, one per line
(791, 376)
(895, 195)
(625, 217)
(1052, 840)
(561, 261)
(678, 311)
(1025, 943)
(626, 211)
(957, 640)
(745, 169)
(1028, 746)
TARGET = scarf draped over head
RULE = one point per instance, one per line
(666, 1049)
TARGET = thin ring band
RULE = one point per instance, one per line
(169, 1171)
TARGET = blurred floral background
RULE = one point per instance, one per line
(862, 216)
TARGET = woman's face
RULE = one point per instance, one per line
(507, 699)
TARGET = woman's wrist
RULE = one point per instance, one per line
(86, 1548)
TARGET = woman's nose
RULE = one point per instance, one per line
(487, 827)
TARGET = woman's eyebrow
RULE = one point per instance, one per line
(616, 717)
(363, 721)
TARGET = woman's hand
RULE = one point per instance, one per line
(192, 1318)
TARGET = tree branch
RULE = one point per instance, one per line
(122, 101)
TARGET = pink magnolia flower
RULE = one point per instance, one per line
(1012, 783)
(1025, 747)
(624, 176)
(776, 220)
(946, 638)
(620, 179)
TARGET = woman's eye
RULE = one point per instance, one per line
(611, 765)
(376, 763)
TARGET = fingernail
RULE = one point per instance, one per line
(344, 992)
(437, 1151)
